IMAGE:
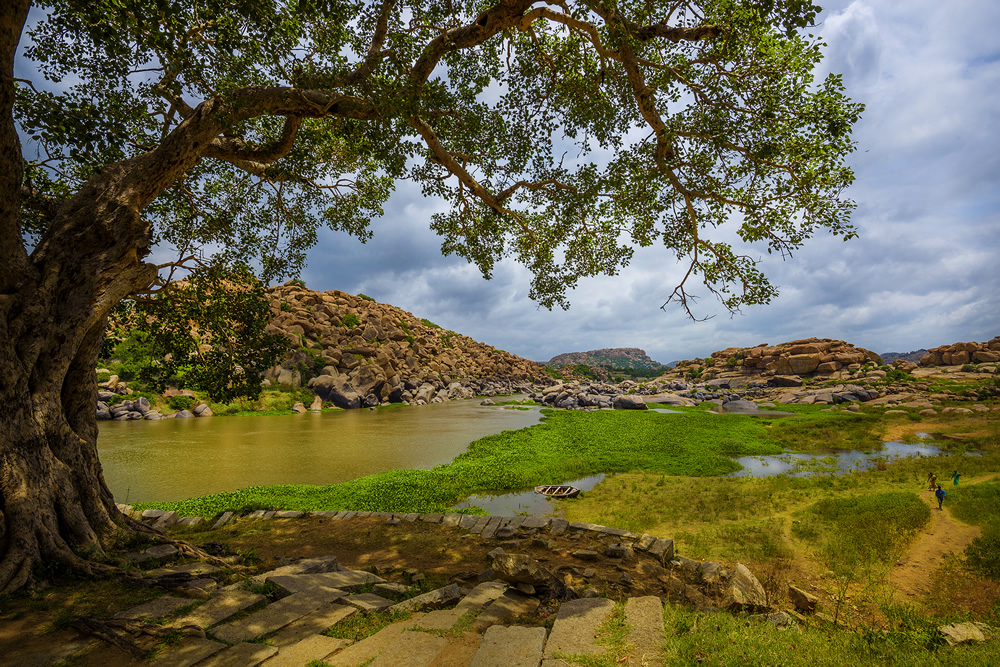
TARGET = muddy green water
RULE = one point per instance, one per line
(173, 459)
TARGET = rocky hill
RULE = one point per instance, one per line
(354, 352)
(914, 356)
(617, 358)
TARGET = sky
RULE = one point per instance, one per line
(925, 270)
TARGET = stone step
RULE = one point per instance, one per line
(575, 629)
(480, 596)
(188, 568)
(274, 616)
(370, 647)
(504, 609)
(219, 608)
(366, 601)
(344, 580)
(431, 600)
(413, 649)
(644, 618)
(314, 647)
(320, 564)
(240, 655)
(513, 646)
(312, 624)
(188, 652)
(158, 608)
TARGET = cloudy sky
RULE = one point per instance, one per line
(924, 272)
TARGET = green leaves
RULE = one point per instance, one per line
(562, 136)
(209, 333)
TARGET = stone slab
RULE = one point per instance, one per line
(313, 623)
(370, 647)
(468, 521)
(188, 568)
(240, 655)
(433, 517)
(272, 617)
(504, 609)
(366, 601)
(220, 608)
(223, 520)
(315, 647)
(514, 646)
(413, 649)
(451, 520)
(535, 522)
(188, 652)
(480, 524)
(558, 526)
(158, 608)
(441, 619)
(575, 628)
(480, 596)
(431, 600)
(305, 566)
(287, 514)
(644, 617)
(490, 529)
(344, 580)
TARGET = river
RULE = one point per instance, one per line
(173, 459)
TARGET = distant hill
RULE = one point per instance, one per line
(915, 356)
(630, 361)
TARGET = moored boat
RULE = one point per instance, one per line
(558, 491)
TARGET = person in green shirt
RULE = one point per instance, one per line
(954, 477)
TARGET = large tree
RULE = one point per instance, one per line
(561, 133)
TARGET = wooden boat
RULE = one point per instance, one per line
(558, 491)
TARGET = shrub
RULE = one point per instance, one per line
(983, 554)
(428, 323)
(286, 307)
(180, 402)
(969, 368)
(365, 297)
(351, 320)
(297, 281)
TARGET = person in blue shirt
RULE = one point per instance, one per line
(940, 494)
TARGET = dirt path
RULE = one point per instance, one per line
(944, 535)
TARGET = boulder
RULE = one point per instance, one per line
(629, 402)
(745, 592)
(961, 633)
(802, 600)
(336, 390)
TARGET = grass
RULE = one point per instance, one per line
(358, 626)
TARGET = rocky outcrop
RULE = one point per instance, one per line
(623, 358)
(958, 354)
(355, 352)
(819, 356)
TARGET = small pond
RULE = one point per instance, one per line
(803, 465)
(525, 502)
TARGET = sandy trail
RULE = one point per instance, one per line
(943, 535)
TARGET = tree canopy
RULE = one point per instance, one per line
(561, 134)
(200, 134)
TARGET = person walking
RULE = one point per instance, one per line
(931, 482)
(940, 494)
(954, 477)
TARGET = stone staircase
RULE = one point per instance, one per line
(478, 628)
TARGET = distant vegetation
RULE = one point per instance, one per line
(609, 365)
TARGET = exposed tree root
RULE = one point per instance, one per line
(119, 632)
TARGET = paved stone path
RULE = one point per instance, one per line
(244, 629)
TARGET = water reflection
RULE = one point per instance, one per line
(525, 502)
(803, 465)
(180, 458)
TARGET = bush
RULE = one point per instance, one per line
(365, 297)
(969, 368)
(351, 320)
(428, 323)
(298, 281)
(983, 554)
(180, 402)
